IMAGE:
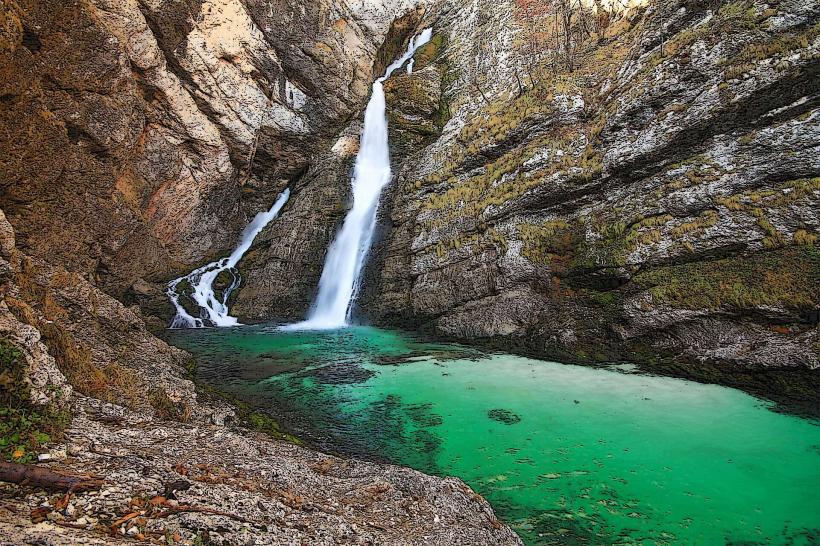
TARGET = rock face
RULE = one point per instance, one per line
(657, 204)
(137, 138)
(75, 337)
(282, 271)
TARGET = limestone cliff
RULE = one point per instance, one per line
(641, 186)
(657, 202)
(654, 199)
(137, 138)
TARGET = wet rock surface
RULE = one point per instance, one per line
(139, 138)
(282, 271)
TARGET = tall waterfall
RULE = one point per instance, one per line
(346, 256)
(213, 310)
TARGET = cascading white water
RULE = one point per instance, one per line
(201, 280)
(346, 256)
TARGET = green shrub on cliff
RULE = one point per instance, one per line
(543, 244)
(24, 428)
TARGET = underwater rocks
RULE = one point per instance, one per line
(504, 416)
(175, 465)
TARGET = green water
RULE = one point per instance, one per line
(565, 454)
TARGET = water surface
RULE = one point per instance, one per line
(565, 454)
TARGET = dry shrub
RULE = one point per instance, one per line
(165, 408)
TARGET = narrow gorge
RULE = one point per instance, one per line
(409, 271)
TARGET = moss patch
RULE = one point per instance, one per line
(165, 408)
(430, 52)
(773, 46)
(549, 243)
(788, 277)
(249, 416)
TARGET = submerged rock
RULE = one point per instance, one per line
(504, 416)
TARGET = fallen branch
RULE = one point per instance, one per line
(38, 476)
(123, 519)
(171, 510)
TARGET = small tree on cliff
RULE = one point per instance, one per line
(481, 54)
(533, 42)
(553, 29)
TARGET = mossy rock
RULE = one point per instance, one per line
(416, 94)
(430, 52)
(413, 102)
(249, 416)
(167, 409)
(224, 280)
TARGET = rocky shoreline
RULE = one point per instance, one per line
(795, 391)
(168, 482)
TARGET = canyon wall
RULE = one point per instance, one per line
(139, 137)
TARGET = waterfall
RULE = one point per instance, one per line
(214, 310)
(346, 256)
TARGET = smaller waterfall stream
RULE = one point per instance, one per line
(347, 254)
(213, 310)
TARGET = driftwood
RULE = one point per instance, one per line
(38, 476)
